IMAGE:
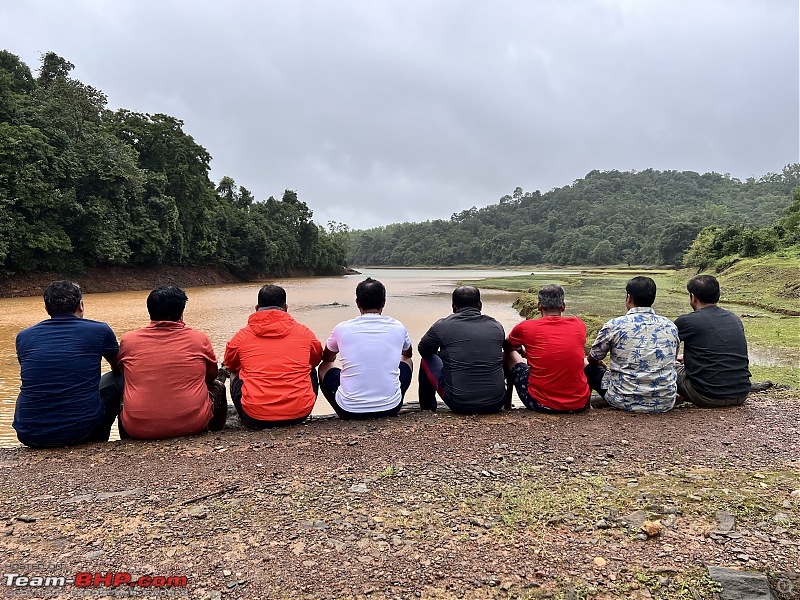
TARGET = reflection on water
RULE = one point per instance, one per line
(415, 297)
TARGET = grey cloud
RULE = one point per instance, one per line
(379, 111)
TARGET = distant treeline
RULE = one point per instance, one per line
(84, 186)
(609, 217)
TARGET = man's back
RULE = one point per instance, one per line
(554, 347)
(274, 355)
(60, 358)
(165, 367)
(470, 345)
(369, 348)
(715, 352)
(641, 371)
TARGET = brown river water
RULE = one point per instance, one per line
(415, 297)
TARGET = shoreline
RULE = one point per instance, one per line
(129, 279)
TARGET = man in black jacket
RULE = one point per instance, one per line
(462, 359)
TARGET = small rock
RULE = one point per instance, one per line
(569, 459)
(726, 522)
(95, 554)
(26, 519)
(359, 488)
(602, 524)
(599, 562)
(652, 528)
(741, 585)
(198, 512)
(795, 495)
(635, 519)
(227, 573)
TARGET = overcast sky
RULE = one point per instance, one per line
(381, 111)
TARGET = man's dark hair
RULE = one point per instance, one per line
(166, 303)
(467, 296)
(271, 295)
(370, 294)
(705, 288)
(62, 297)
(551, 296)
(642, 291)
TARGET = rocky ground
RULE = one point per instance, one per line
(516, 505)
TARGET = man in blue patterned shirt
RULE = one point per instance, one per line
(641, 375)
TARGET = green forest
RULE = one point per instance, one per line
(83, 186)
(608, 217)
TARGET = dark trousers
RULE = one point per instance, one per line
(332, 380)
(431, 382)
(236, 398)
(110, 399)
(594, 375)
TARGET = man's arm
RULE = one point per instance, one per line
(408, 353)
(113, 361)
(429, 344)
(212, 370)
(315, 356)
(231, 358)
(328, 356)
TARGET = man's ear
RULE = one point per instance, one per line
(480, 305)
(285, 307)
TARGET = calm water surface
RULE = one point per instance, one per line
(415, 297)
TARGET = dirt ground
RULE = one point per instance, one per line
(515, 505)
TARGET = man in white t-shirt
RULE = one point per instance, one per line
(376, 360)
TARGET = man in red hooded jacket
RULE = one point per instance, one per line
(273, 364)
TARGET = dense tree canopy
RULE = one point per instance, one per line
(611, 217)
(82, 186)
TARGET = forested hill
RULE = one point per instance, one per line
(609, 217)
(82, 186)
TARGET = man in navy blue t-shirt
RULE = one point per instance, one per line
(60, 401)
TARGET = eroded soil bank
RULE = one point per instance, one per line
(516, 505)
(117, 279)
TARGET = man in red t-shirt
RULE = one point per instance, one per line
(553, 380)
(170, 374)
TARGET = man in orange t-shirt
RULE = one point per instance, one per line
(170, 374)
(553, 380)
(273, 364)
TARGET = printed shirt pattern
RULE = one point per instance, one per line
(641, 373)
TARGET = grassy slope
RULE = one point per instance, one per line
(765, 292)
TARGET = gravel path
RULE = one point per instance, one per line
(519, 505)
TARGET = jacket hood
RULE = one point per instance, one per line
(273, 323)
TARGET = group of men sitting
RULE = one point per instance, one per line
(165, 381)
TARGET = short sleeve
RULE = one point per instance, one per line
(602, 344)
(332, 344)
(110, 344)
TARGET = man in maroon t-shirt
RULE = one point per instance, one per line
(552, 380)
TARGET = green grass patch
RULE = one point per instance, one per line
(762, 292)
